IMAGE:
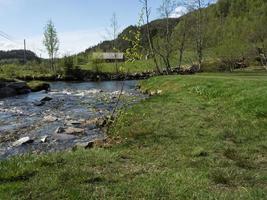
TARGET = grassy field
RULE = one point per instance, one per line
(24, 71)
(204, 137)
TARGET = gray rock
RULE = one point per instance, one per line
(50, 118)
(72, 122)
(59, 130)
(22, 141)
(17, 85)
(74, 131)
(46, 99)
(82, 145)
(7, 92)
(44, 139)
(2, 84)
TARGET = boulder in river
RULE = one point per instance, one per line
(7, 92)
(36, 86)
(8, 89)
(22, 141)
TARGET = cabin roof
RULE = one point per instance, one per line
(109, 56)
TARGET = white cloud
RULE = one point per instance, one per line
(179, 11)
(70, 42)
(8, 3)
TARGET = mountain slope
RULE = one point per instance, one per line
(232, 29)
(17, 55)
(157, 29)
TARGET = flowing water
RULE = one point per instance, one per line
(69, 105)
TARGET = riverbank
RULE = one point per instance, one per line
(90, 75)
(17, 85)
(203, 137)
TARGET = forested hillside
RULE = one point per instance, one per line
(157, 29)
(16, 56)
(231, 31)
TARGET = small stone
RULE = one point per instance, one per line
(74, 131)
(22, 141)
(44, 139)
(72, 122)
(88, 145)
(50, 118)
(82, 145)
(152, 93)
(159, 92)
(46, 99)
(59, 130)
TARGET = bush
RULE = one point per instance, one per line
(97, 65)
(69, 70)
(230, 64)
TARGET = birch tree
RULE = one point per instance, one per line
(114, 27)
(166, 9)
(147, 12)
(196, 7)
(51, 42)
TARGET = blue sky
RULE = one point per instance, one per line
(80, 23)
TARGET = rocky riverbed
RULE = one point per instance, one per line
(70, 114)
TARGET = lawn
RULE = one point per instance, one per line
(204, 137)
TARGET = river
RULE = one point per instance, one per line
(67, 106)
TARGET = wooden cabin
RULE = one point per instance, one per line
(109, 56)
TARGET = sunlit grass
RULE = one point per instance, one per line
(204, 137)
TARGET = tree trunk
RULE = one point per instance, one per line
(150, 41)
(181, 52)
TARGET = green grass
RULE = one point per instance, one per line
(203, 138)
(138, 66)
(25, 72)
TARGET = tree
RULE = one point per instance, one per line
(223, 8)
(113, 33)
(147, 12)
(166, 9)
(196, 7)
(51, 42)
(68, 66)
(180, 37)
(258, 37)
(132, 53)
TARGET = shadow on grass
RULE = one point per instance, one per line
(25, 176)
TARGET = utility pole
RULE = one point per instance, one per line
(25, 51)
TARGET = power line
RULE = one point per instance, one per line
(8, 37)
